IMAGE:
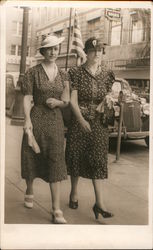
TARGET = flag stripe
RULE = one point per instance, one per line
(77, 35)
(77, 44)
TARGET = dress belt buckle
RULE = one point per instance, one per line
(92, 111)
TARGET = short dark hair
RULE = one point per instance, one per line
(41, 51)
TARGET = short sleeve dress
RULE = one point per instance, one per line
(86, 153)
(48, 128)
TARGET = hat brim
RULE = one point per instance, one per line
(51, 44)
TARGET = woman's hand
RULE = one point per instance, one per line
(53, 103)
(28, 125)
(85, 125)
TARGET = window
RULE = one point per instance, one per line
(137, 30)
(16, 50)
(17, 28)
(20, 29)
(115, 32)
(93, 27)
(19, 50)
(13, 49)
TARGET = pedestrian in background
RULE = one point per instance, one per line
(87, 137)
(43, 141)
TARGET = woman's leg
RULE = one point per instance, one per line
(98, 188)
(28, 199)
(29, 189)
(55, 195)
(74, 188)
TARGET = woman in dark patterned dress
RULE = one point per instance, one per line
(44, 85)
(87, 137)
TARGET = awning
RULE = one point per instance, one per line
(133, 74)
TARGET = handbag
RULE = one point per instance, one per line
(107, 118)
(107, 112)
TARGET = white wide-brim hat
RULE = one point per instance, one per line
(51, 41)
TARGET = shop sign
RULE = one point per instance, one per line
(113, 14)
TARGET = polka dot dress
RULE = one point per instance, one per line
(48, 128)
(86, 153)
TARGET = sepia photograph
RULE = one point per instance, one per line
(76, 135)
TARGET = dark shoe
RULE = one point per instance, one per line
(98, 211)
(73, 204)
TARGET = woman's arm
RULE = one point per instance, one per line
(75, 107)
(27, 105)
(65, 98)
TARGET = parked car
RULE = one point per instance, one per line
(11, 82)
(135, 113)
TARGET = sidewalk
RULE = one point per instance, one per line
(126, 192)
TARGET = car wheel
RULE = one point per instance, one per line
(147, 141)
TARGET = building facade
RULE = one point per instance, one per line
(125, 31)
(14, 24)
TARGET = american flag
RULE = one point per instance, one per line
(77, 44)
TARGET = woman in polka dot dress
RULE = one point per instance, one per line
(87, 137)
(44, 84)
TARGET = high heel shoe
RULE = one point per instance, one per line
(97, 210)
(73, 204)
(57, 217)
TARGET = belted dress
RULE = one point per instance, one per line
(48, 128)
(87, 152)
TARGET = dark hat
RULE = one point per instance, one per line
(93, 44)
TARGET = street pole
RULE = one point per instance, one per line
(120, 126)
(69, 36)
(18, 113)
